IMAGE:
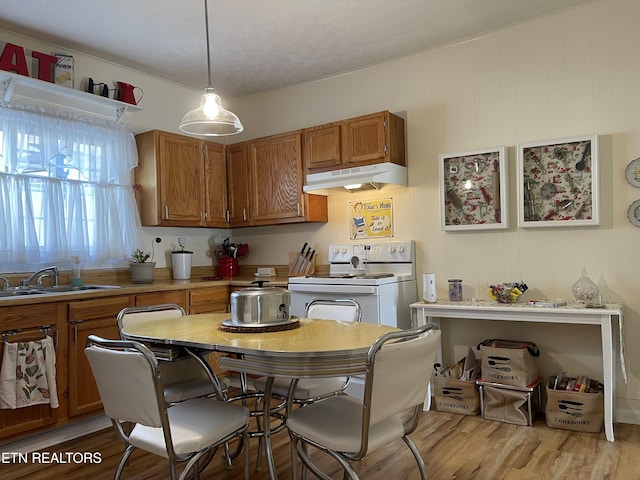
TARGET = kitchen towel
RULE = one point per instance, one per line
(28, 374)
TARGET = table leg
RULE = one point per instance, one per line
(609, 375)
(430, 388)
(266, 420)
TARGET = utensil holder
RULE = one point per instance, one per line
(228, 267)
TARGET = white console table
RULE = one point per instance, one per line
(573, 313)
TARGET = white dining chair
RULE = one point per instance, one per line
(348, 428)
(185, 375)
(132, 390)
(310, 390)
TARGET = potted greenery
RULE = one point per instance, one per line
(141, 270)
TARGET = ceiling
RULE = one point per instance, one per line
(259, 45)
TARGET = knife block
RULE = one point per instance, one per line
(309, 268)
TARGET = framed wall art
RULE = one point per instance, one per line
(558, 183)
(473, 189)
(371, 219)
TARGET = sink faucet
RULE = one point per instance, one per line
(41, 274)
(5, 283)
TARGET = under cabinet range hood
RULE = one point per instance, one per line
(358, 178)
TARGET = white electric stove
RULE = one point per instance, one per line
(380, 275)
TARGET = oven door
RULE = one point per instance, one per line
(366, 295)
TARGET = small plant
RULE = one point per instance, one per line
(138, 256)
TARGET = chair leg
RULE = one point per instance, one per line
(303, 453)
(417, 456)
(259, 455)
(294, 456)
(247, 455)
(125, 457)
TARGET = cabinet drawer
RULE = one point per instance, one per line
(97, 308)
(42, 314)
(158, 298)
(205, 296)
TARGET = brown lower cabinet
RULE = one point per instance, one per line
(179, 297)
(87, 317)
(70, 323)
(22, 324)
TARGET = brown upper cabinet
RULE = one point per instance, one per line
(238, 185)
(276, 180)
(364, 140)
(322, 146)
(183, 181)
(186, 182)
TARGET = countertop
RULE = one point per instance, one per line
(135, 288)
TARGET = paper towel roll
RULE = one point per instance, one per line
(429, 293)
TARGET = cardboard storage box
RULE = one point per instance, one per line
(456, 396)
(509, 362)
(577, 411)
(509, 404)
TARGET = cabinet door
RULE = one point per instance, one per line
(322, 147)
(180, 181)
(378, 137)
(238, 184)
(89, 317)
(276, 178)
(365, 139)
(215, 166)
(24, 322)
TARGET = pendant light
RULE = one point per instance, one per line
(210, 118)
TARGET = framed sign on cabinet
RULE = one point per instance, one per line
(558, 183)
(473, 189)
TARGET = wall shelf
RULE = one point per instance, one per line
(13, 85)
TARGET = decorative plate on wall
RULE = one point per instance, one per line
(632, 173)
(634, 213)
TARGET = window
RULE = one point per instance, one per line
(65, 189)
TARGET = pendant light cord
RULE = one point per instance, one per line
(206, 25)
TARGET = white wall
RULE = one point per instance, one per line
(577, 72)
(573, 73)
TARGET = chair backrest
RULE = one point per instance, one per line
(174, 371)
(130, 315)
(345, 310)
(127, 377)
(411, 352)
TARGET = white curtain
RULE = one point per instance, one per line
(64, 188)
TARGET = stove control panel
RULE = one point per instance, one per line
(395, 251)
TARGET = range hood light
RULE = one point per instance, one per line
(366, 177)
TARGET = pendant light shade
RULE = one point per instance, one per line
(210, 118)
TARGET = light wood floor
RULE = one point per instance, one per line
(453, 446)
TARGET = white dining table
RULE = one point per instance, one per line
(316, 348)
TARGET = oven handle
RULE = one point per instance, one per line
(334, 289)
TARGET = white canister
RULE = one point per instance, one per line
(181, 262)
(429, 293)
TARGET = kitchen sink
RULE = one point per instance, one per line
(82, 288)
(29, 291)
(19, 293)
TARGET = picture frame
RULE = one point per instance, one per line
(474, 189)
(558, 183)
(371, 218)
